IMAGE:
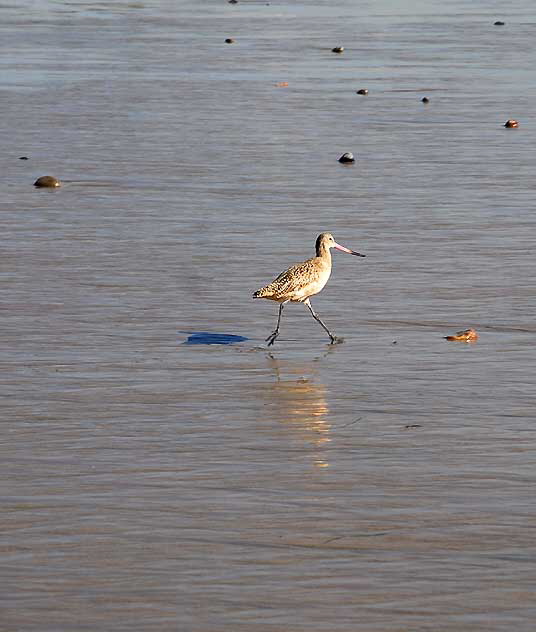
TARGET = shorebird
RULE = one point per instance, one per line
(298, 283)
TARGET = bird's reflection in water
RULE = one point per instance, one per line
(300, 403)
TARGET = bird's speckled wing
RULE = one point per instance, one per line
(297, 282)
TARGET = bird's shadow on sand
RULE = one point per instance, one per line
(211, 338)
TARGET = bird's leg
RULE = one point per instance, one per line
(271, 338)
(317, 318)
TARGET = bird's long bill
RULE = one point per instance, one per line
(350, 252)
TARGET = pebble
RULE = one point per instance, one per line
(498, 23)
(49, 182)
(347, 158)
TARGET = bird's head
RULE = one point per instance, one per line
(326, 241)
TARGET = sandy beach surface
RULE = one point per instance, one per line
(160, 467)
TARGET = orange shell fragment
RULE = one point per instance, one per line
(466, 335)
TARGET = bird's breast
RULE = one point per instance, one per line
(313, 285)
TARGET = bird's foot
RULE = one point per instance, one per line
(336, 340)
(271, 338)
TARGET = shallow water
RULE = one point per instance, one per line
(382, 484)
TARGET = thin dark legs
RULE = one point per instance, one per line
(317, 318)
(271, 338)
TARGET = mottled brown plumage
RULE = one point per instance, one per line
(303, 280)
(300, 281)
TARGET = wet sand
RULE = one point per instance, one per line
(149, 484)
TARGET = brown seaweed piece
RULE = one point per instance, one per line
(466, 335)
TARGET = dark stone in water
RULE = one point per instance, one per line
(425, 100)
(498, 23)
(49, 182)
(23, 158)
(347, 158)
(208, 338)
(229, 40)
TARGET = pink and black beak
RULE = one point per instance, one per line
(350, 252)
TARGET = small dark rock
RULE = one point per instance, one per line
(425, 100)
(337, 49)
(230, 40)
(233, 1)
(47, 182)
(23, 158)
(363, 91)
(347, 158)
(498, 23)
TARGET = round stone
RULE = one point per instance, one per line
(347, 158)
(49, 182)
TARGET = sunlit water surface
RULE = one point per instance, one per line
(161, 469)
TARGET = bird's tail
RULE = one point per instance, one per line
(261, 293)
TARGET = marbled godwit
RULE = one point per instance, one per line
(300, 282)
